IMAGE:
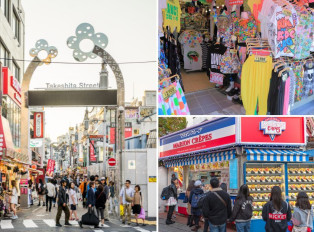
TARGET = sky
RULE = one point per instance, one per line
(131, 27)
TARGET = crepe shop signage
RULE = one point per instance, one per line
(272, 127)
(205, 136)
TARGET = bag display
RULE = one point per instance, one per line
(90, 218)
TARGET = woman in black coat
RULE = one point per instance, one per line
(101, 198)
(195, 211)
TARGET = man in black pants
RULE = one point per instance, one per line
(172, 200)
(62, 205)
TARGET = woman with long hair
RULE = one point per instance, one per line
(276, 212)
(41, 192)
(14, 199)
(101, 203)
(303, 215)
(243, 210)
(188, 191)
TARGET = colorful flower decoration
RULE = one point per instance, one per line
(42, 45)
(86, 31)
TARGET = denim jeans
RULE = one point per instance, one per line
(219, 228)
(243, 226)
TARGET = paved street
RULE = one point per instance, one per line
(37, 219)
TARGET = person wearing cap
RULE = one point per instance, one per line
(62, 205)
(195, 211)
(107, 193)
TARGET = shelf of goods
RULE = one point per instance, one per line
(261, 178)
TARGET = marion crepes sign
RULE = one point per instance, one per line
(205, 136)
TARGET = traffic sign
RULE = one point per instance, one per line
(112, 162)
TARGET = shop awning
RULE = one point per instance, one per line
(201, 159)
(276, 155)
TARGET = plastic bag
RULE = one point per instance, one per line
(121, 210)
(142, 214)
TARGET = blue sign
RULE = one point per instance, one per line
(233, 173)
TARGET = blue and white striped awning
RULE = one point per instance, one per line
(201, 159)
(276, 155)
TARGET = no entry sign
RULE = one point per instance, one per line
(112, 162)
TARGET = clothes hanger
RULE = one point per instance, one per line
(285, 69)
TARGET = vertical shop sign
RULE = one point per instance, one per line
(50, 167)
(127, 131)
(172, 15)
(38, 125)
(92, 155)
(233, 173)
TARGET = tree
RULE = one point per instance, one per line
(169, 125)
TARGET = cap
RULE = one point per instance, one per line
(102, 178)
(198, 183)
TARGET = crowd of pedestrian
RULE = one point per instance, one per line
(217, 210)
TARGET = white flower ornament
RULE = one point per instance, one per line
(42, 45)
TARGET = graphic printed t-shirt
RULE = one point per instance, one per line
(215, 53)
(192, 57)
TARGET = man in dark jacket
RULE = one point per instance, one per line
(62, 205)
(173, 196)
(91, 200)
(217, 207)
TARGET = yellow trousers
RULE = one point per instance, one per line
(255, 81)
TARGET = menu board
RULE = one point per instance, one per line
(233, 172)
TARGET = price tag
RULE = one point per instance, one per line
(260, 59)
(168, 92)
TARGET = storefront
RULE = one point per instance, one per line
(219, 53)
(259, 151)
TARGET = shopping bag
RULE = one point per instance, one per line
(142, 214)
(90, 218)
(121, 210)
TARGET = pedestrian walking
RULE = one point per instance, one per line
(40, 191)
(187, 195)
(62, 206)
(14, 199)
(243, 210)
(126, 198)
(137, 204)
(193, 200)
(277, 212)
(107, 193)
(217, 207)
(173, 199)
(302, 216)
(100, 204)
(112, 197)
(73, 201)
(50, 195)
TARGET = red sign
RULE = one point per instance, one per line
(23, 181)
(235, 2)
(92, 155)
(50, 167)
(38, 125)
(112, 162)
(276, 130)
(127, 134)
(11, 86)
(2, 138)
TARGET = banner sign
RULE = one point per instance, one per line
(50, 167)
(92, 155)
(38, 125)
(11, 86)
(235, 2)
(276, 130)
(127, 134)
(205, 136)
(131, 114)
(97, 138)
(36, 143)
(172, 15)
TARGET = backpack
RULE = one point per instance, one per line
(165, 193)
(201, 199)
(195, 200)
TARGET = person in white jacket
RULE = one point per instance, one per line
(50, 195)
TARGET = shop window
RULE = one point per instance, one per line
(16, 71)
(16, 25)
(5, 7)
(4, 54)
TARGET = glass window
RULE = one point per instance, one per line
(5, 7)
(16, 71)
(4, 53)
(16, 25)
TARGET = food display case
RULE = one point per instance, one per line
(300, 178)
(261, 178)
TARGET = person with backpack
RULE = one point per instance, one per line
(187, 195)
(41, 192)
(302, 216)
(171, 195)
(100, 204)
(193, 200)
(277, 212)
(217, 207)
(243, 210)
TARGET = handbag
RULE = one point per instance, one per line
(142, 214)
(303, 228)
(222, 200)
(127, 197)
(90, 218)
